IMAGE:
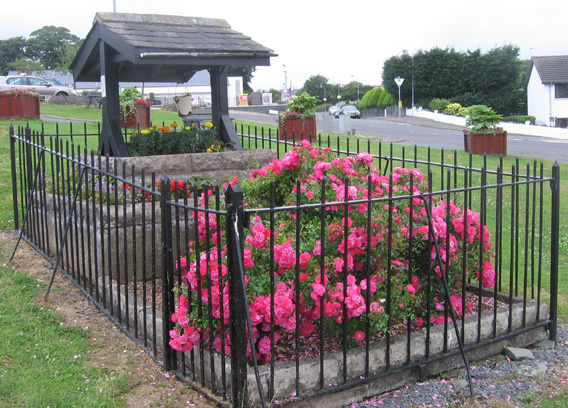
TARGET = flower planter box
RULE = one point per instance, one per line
(479, 143)
(19, 106)
(139, 121)
(297, 128)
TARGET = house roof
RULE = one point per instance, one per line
(161, 48)
(551, 69)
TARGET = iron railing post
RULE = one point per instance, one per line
(167, 271)
(554, 242)
(14, 178)
(237, 311)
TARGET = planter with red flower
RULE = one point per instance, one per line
(298, 122)
(134, 110)
(483, 136)
(15, 103)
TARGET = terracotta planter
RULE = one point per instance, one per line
(19, 106)
(140, 120)
(296, 128)
(492, 144)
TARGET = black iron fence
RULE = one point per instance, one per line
(339, 267)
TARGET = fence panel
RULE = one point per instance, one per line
(381, 265)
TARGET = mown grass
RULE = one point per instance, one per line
(44, 362)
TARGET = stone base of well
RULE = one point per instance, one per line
(124, 242)
(219, 166)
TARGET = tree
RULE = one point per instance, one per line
(276, 95)
(318, 86)
(246, 73)
(25, 65)
(48, 44)
(67, 54)
(10, 50)
(485, 79)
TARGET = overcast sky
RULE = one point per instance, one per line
(341, 40)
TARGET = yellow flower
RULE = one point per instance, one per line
(208, 125)
(133, 135)
(187, 128)
(145, 131)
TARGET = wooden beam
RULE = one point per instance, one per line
(111, 142)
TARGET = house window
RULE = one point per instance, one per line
(561, 90)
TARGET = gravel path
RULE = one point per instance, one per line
(497, 382)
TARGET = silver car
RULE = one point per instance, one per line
(350, 110)
(40, 85)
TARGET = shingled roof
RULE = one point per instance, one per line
(551, 69)
(161, 48)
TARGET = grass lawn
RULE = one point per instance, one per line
(35, 356)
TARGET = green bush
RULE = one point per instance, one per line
(482, 119)
(520, 119)
(456, 109)
(438, 104)
(371, 98)
(386, 99)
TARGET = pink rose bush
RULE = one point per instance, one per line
(359, 252)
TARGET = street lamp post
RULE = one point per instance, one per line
(404, 52)
(399, 82)
(353, 76)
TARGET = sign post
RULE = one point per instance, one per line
(399, 82)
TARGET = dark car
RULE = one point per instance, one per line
(39, 85)
(350, 110)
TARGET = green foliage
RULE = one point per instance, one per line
(482, 119)
(386, 99)
(319, 87)
(127, 99)
(164, 140)
(276, 95)
(371, 98)
(519, 119)
(469, 98)
(469, 78)
(243, 71)
(437, 104)
(47, 45)
(128, 94)
(302, 104)
(456, 109)
(10, 50)
(24, 65)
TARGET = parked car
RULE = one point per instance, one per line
(54, 81)
(40, 85)
(349, 110)
(332, 109)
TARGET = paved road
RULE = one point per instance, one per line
(425, 132)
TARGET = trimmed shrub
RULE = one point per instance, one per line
(386, 99)
(519, 119)
(438, 104)
(456, 109)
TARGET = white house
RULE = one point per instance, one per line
(547, 90)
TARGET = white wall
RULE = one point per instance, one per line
(538, 99)
(516, 128)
